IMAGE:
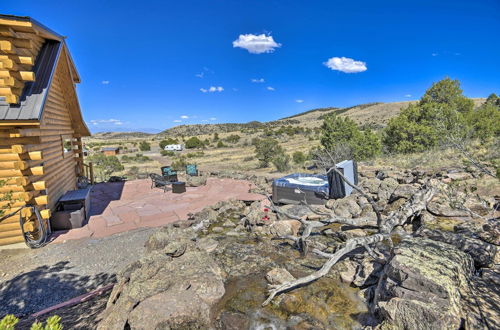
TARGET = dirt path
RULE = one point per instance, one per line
(32, 280)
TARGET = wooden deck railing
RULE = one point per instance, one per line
(88, 170)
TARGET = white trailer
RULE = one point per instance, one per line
(173, 147)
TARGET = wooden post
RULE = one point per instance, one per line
(91, 169)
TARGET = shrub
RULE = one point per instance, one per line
(442, 110)
(234, 138)
(105, 165)
(180, 163)
(216, 137)
(220, 144)
(281, 161)
(337, 131)
(144, 146)
(167, 153)
(166, 142)
(299, 157)
(53, 323)
(266, 149)
(248, 159)
(485, 121)
(194, 142)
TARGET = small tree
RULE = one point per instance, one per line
(144, 146)
(281, 160)
(105, 165)
(194, 142)
(233, 138)
(265, 150)
(337, 131)
(216, 137)
(485, 121)
(220, 144)
(299, 157)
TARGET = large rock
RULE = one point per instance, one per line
(161, 291)
(483, 253)
(422, 286)
(196, 181)
(441, 206)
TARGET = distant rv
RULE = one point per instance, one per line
(173, 147)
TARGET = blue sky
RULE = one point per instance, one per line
(155, 64)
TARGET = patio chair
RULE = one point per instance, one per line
(169, 174)
(192, 170)
(159, 181)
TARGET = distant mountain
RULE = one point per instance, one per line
(375, 115)
(127, 130)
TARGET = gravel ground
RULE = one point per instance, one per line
(32, 280)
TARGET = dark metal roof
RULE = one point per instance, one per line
(34, 93)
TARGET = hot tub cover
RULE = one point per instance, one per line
(312, 182)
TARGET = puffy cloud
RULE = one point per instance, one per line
(106, 121)
(408, 95)
(260, 80)
(213, 118)
(177, 121)
(345, 64)
(105, 82)
(200, 75)
(434, 54)
(184, 117)
(256, 44)
(299, 101)
(269, 88)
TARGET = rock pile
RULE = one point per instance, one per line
(210, 271)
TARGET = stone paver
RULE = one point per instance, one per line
(122, 206)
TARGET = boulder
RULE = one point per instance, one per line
(440, 206)
(483, 253)
(422, 286)
(284, 228)
(403, 191)
(165, 292)
(196, 181)
(279, 276)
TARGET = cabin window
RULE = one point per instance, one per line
(68, 145)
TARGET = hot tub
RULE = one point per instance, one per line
(293, 188)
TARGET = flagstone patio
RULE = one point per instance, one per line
(122, 206)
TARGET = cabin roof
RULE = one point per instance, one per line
(34, 93)
(32, 99)
(110, 148)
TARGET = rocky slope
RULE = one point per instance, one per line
(212, 270)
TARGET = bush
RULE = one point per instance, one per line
(220, 144)
(248, 159)
(144, 146)
(485, 121)
(337, 131)
(216, 137)
(167, 153)
(281, 161)
(266, 149)
(53, 323)
(168, 141)
(179, 164)
(194, 142)
(442, 111)
(105, 165)
(234, 138)
(299, 157)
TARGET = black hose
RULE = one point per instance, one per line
(29, 237)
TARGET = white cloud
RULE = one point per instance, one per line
(184, 117)
(256, 44)
(177, 121)
(200, 75)
(106, 121)
(213, 89)
(257, 81)
(408, 95)
(105, 82)
(269, 88)
(213, 118)
(299, 101)
(434, 54)
(345, 64)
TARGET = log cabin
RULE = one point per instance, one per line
(41, 125)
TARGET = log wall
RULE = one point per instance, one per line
(34, 167)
